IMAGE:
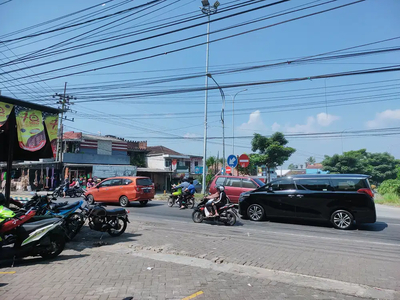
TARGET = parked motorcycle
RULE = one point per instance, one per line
(46, 209)
(113, 221)
(71, 192)
(227, 213)
(45, 238)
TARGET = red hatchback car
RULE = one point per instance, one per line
(235, 185)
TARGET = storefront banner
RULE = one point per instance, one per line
(106, 171)
(51, 122)
(5, 110)
(31, 136)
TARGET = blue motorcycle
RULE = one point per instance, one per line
(48, 209)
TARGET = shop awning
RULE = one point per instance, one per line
(150, 170)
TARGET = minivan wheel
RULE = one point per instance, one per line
(123, 201)
(342, 219)
(255, 212)
(90, 199)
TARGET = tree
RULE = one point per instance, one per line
(251, 169)
(292, 167)
(310, 160)
(272, 151)
(381, 166)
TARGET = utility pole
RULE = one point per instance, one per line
(208, 10)
(233, 119)
(64, 100)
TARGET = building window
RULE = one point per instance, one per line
(187, 164)
(168, 163)
(181, 163)
(196, 163)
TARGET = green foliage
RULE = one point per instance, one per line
(391, 186)
(292, 167)
(389, 199)
(381, 166)
(272, 151)
(138, 160)
(311, 160)
(210, 162)
(251, 169)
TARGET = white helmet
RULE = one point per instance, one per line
(220, 188)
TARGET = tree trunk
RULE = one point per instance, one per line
(269, 174)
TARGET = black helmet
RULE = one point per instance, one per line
(2, 199)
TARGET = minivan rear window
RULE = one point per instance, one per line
(349, 184)
(220, 181)
(144, 181)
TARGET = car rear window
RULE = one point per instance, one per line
(127, 181)
(144, 181)
(322, 184)
(349, 184)
(248, 184)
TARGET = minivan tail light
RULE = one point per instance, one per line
(138, 189)
(366, 191)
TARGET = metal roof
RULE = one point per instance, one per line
(29, 105)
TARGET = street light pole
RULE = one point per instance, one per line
(233, 120)
(222, 120)
(207, 10)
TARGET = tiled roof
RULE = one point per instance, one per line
(315, 166)
(162, 150)
(70, 135)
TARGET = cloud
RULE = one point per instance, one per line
(385, 118)
(302, 128)
(324, 119)
(190, 135)
(255, 123)
(311, 125)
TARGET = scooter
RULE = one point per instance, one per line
(227, 213)
(45, 238)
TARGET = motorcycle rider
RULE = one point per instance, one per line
(216, 201)
(184, 185)
(188, 192)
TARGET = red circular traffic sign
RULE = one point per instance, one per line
(228, 169)
(244, 160)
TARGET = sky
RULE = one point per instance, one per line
(176, 120)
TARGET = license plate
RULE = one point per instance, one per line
(146, 191)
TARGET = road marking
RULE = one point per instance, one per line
(11, 272)
(193, 295)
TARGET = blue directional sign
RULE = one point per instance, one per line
(232, 161)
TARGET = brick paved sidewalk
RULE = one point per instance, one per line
(98, 274)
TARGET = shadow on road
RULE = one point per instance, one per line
(377, 226)
(38, 260)
(87, 239)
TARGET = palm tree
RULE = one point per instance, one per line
(310, 160)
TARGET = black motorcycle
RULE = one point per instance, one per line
(113, 221)
(71, 192)
(227, 213)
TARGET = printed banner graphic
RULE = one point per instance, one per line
(51, 122)
(31, 136)
(5, 110)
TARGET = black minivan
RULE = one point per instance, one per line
(338, 198)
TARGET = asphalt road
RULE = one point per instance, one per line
(385, 230)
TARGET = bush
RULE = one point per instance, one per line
(391, 186)
(389, 199)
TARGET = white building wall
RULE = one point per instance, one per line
(156, 162)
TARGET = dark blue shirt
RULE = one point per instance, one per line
(191, 189)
